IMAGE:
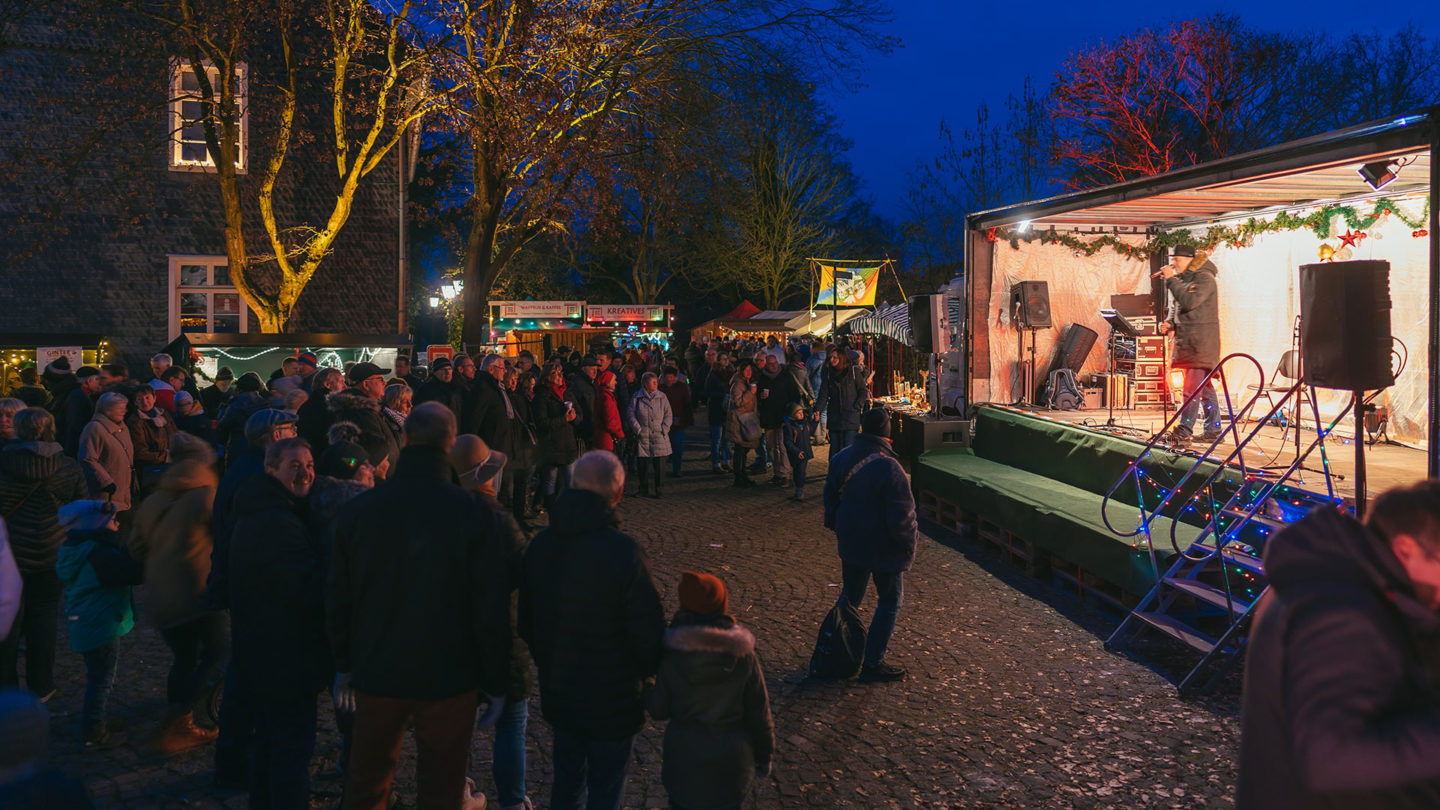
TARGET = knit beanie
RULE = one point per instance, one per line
(86, 515)
(876, 422)
(703, 594)
(344, 455)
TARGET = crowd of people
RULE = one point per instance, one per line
(271, 523)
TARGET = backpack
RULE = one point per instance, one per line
(840, 648)
(1062, 391)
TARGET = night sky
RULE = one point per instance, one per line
(956, 54)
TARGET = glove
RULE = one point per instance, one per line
(343, 693)
(492, 713)
(762, 770)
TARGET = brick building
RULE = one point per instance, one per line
(110, 214)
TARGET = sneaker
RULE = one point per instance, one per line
(104, 741)
(1209, 438)
(882, 673)
(1176, 439)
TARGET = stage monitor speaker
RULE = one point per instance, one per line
(1075, 347)
(1030, 301)
(930, 323)
(1345, 325)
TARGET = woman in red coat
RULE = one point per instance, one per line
(609, 430)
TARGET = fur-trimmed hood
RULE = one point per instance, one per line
(343, 401)
(735, 641)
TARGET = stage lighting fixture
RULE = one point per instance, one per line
(1380, 173)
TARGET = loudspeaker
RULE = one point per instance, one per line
(930, 322)
(1345, 325)
(1075, 347)
(1030, 301)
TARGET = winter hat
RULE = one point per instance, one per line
(796, 408)
(876, 422)
(249, 381)
(82, 373)
(475, 463)
(308, 359)
(440, 362)
(1182, 250)
(606, 378)
(187, 446)
(86, 515)
(342, 459)
(703, 594)
(182, 397)
(60, 364)
(24, 729)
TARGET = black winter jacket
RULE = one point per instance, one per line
(36, 479)
(420, 609)
(581, 390)
(556, 435)
(874, 516)
(245, 465)
(277, 596)
(487, 417)
(433, 390)
(375, 436)
(314, 423)
(843, 397)
(717, 387)
(71, 416)
(592, 617)
(1340, 706)
(1197, 317)
(783, 393)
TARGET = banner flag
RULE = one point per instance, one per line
(853, 286)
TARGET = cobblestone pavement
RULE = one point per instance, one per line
(1012, 700)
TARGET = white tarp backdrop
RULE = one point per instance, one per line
(1259, 288)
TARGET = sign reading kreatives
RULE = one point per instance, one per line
(540, 309)
(624, 312)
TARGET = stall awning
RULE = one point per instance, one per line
(820, 321)
(892, 322)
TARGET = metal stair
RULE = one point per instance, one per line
(1209, 573)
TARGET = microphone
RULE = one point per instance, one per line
(1161, 271)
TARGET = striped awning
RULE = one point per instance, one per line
(892, 322)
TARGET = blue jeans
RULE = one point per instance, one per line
(589, 773)
(762, 454)
(509, 763)
(797, 467)
(100, 666)
(677, 446)
(890, 589)
(719, 448)
(841, 439)
(280, 752)
(1199, 378)
(554, 478)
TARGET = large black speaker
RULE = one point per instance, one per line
(1074, 348)
(1030, 301)
(930, 323)
(1345, 325)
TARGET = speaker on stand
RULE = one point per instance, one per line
(1345, 338)
(1030, 310)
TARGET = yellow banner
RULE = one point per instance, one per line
(848, 286)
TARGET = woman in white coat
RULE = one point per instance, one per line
(648, 419)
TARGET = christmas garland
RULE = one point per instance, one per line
(1241, 235)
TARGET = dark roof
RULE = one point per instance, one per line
(1318, 168)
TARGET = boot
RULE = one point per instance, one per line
(180, 734)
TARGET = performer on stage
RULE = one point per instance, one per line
(1191, 280)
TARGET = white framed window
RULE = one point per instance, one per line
(187, 131)
(202, 299)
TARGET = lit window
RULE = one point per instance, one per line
(187, 128)
(202, 297)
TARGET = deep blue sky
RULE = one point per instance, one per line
(955, 54)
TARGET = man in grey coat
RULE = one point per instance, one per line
(1196, 324)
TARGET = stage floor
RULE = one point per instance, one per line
(1386, 465)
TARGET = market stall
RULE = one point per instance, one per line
(21, 349)
(542, 326)
(821, 322)
(710, 330)
(263, 353)
(630, 325)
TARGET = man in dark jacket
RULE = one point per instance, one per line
(360, 403)
(214, 397)
(488, 411)
(842, 398)
(264, 428)
(717, 395)
(777, 392)
(592, 617)
(277, 623)
(1340, 708)
(314, 416)
(419, 617)
(439, 388)
(869, 505)
(580, 389)
(1197, 336)
(77, 409)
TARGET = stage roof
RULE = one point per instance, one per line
(1318, 169)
